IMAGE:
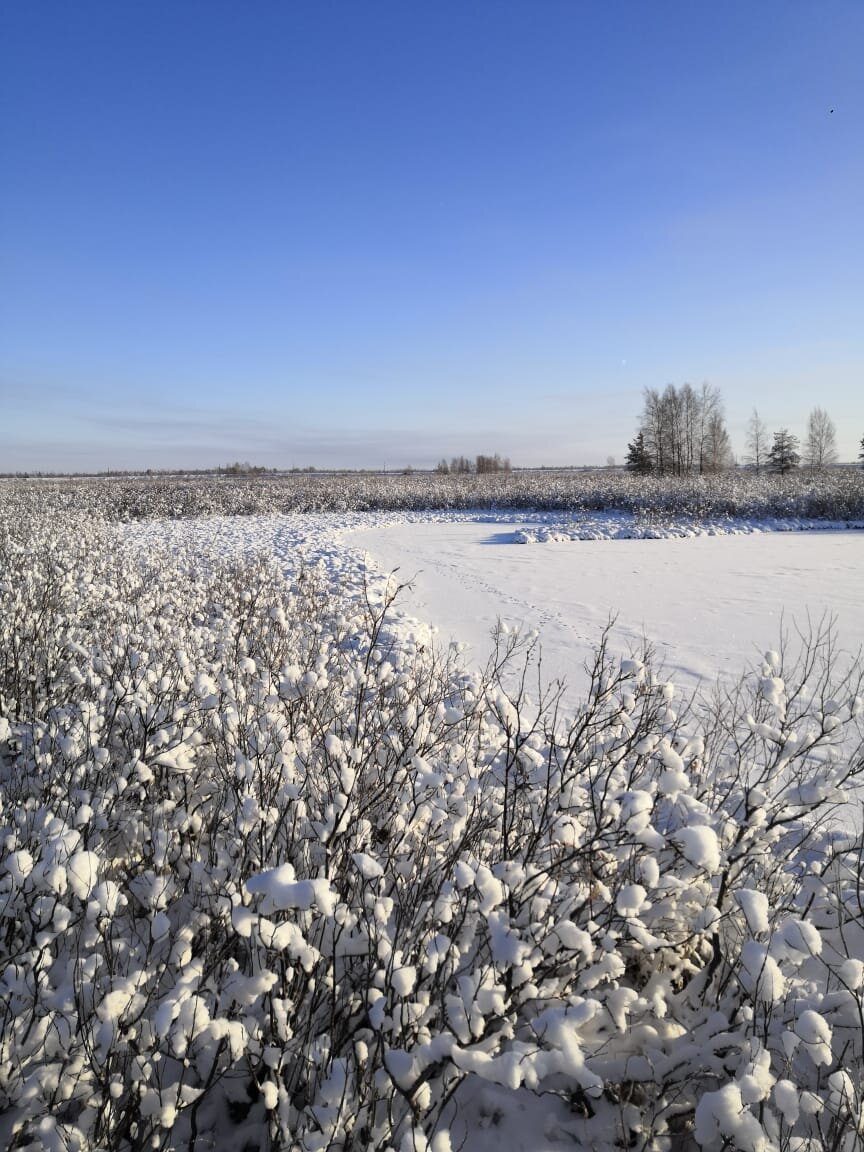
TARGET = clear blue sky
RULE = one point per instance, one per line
(375, 232)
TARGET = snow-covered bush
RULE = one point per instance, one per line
(275, 873)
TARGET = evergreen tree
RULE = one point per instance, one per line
(784, 456)
(638, 456)
(861, 453)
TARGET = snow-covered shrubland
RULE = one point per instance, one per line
(835, 494)
(277, 874)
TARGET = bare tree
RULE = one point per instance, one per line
(683, 430)
(652, 430)
(673, 427)
(460, 465)
(485, 465)
(710, 426)
(757, 441)
(820, 443)
(690, 407)
(716, 453)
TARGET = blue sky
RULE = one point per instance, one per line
(374, 233)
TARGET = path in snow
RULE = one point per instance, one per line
(711, 605)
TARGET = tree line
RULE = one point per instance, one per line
(482, 465)
(683, 431)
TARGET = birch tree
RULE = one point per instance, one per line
(820, 443)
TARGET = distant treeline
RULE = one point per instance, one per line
(482, 465)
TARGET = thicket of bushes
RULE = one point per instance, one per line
(836, 494)
(276, 875)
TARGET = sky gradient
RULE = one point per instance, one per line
(375, 233)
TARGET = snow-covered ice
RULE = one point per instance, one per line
(710, 604)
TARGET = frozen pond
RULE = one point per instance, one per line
(711, 605)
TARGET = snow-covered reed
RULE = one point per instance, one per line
(277, 874)
(835, 494)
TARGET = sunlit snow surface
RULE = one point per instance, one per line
(710, 605)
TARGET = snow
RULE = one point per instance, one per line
(19, 865)
(83, 873)
(367, 865)
(812, 1028)
(699, 845)
(755, 908)
(710, 604)
(761, 974)
(721, 1117)
(711, 600)
(798, 939)
(630, 899)
(851, 973)
(403, 980)
(786, 1099)
(281, 892)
